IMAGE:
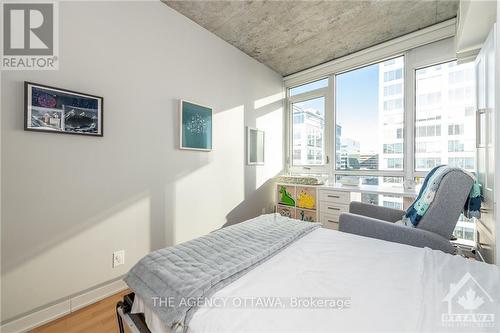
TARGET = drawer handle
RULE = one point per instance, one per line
(333, 196)
(332, 221)
(333, 208)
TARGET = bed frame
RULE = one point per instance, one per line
(135, 322)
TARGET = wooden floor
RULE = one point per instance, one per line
(96, 318)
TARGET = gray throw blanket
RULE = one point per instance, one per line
(198, 268)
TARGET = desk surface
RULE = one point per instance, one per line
(375, 189)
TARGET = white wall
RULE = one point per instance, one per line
(69, 201)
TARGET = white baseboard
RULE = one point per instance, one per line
(62, 308)
(97, 294)
(38, 318)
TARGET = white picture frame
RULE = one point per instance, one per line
(199, 138)
(255, 146)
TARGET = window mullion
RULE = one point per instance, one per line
(409, 121)
(330, 125)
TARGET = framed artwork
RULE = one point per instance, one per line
(50, 109)
(195, 126)
(255, 146)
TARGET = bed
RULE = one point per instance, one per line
(325, 281)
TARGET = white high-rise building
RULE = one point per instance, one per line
(444, 118)
(445, 126)
(391, 118)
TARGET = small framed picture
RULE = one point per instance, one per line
(49, 109)
(255, 146)
(195, 126)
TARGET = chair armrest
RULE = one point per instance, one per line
(376, 212)
(374, 228)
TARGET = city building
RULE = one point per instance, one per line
(307, 136)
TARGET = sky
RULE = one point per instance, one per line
(357, 106)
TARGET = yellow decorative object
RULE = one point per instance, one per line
(306, 200)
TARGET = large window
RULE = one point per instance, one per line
(398, 117)
(444, 117)
(308, 128)
(369, 117)
(387, 123)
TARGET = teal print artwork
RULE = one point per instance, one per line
(196, 126)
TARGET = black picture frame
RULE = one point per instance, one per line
(59, 105)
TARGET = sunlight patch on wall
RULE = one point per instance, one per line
(268, 100)
(205, 196)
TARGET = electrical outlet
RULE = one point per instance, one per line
(118, 258)
(263, 211)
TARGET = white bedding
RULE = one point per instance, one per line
(392, 288)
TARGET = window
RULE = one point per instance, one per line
(444, 97)
(394, 163)
(369, 101)
(427, 147)
(427, 163)
(455, 129)
(393, 89)
(429, 130)
(467, 163)
(369, 140)
(298, 118)
(308, 128)
(393, 104)
(392, 201)
(309, 87)
(392, 180)
(393, 148)
(297, 154)
(465, 229)
(455, 146)
(399, 133)
(429, 100)
(395, 74)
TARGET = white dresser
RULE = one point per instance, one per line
(334, 199)
(331, 204)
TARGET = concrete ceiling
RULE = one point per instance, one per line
(290, 36)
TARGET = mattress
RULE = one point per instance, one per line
(333, 281)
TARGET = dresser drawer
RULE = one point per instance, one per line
(333, 209)
(341, 197)
(330, 221)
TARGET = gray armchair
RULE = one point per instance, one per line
(434, 229)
